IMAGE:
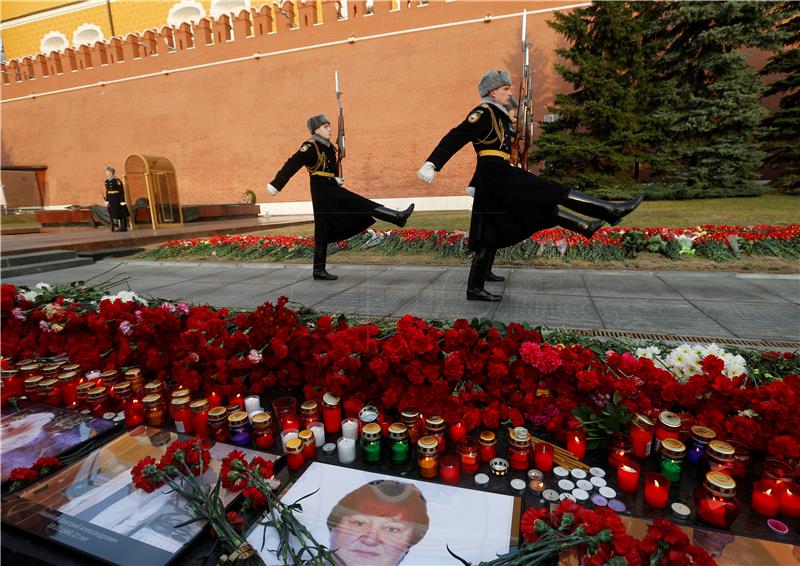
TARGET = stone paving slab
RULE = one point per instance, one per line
(719, 304)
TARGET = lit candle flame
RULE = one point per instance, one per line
(627, 469)
(768, 492)
(656, 482)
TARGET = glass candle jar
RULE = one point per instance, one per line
(434, 426)
(656, 490)
(468, 453)
(766, 499)
(29, 369)
(154, 410)
(641, 436)
(319, 432)
(741, 460)
(134, 375)
(132, 407)
(309, 413)
(199, 410)
(67, 382)
(263, 435)
(50, 370)
(49, 392)
(32, 387)
(778, 470)
(720, 456)
(218, 423)
(285, 411)
(71, 367)
(367, 414)
(716, 502)
(543, 454)
(294, 454)
(519, 448)
(576, 443)
(668, 426)
(399, 444)
(332, 412)
(182, 414)
(620, 448)
(411, 418)
(238, 429)
(628, 474)
(449, 469)
(82, 394)
(178, 394)
(673, 453)
(98, 401)
(13, 383)
(428, 456)
(701, 436)
(488, 446)
(346, 450)
(109, 378)
(154, 387)
(309, 444)
(371, 443)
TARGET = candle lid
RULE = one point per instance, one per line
(108, 374)
(673, 448)
(50, 382)
(534, 474)
(151, 399)
(51, 368)
(237, 418)
(520, 434)
(597, 481)
(599, 500)
(564, 496)
(561, 471)
(217, 413)
(721, 484)
(643, 421)
(721, 448)
(577, 473)
(71, 367)
(293, 445)
(182, 392)
(29, 367)
(307, 436)
(330, 399)
(132, 371)
(517, 484)
(118, 418)
(262, 419)
(487, 437)
(371, 431)
(597, 472)
(550, 495)
(703, 433)
(328, 448)
(580, 495)
(777, 526)
(96, 393)
(499, 466)
(616, 505)
(85, 386)
(368, 413)
(607, 492)
(121, 388)
(152, 386)
(34, 380)
(110, 416)
(584, 485)
(435, 421)
(410, 413)
(566, 485)
(7, 373)
(180, 401)
(68, 376)
(481, 480)
(199, 405)
(680, 510)
(428, 444)
(309, 406)
(669, 419)
(398, 431)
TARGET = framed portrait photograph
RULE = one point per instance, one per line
(93, 507)
(41, 430)
(381, 520)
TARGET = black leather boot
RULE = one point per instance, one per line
(583, 227)
(320, 257)
(395, 217)
(477, 277)
(490, 276)
(598, 208)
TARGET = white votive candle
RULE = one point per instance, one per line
(346, 448)
(319, 433)
(287, 435)
(252, 404)
(350, 429)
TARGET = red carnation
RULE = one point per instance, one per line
(26, 475)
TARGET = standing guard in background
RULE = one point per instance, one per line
(338, 213)
(115, 202)
(510, 203)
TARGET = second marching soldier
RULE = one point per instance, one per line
(510, 203)
(338, 213)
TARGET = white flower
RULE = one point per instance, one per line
(125, 328)
(42, 286)
(651, 352)
(29, 295)
(125, 297)
(254, 356)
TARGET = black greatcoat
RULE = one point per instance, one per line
(338, 213)
(115, 195)
(510, 203)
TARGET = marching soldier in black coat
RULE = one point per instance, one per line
(510, 203)
(115, 201)
(338, 213)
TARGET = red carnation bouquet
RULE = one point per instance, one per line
(20, 477)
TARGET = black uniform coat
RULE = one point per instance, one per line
(338, 213)
(510, 203)
(115, 196)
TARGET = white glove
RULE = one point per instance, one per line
(426, 172)
(124, 204)
(340, 180)
(271, 190)
(471, 191)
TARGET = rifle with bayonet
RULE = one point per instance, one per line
(340, 134)
(522, 143)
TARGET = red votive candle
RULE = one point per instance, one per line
(468, 449)
(628, 475)
(239, 400)
(656, 490)
(641, 436)
(488, 448)
(576, 443)
(214, 399)
(765, 498)
(448, 469)
(790, 503)
(294, 454)
(543, 454)
(331, 413)
(458, 432)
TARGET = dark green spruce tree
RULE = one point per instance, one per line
(783, 125)
(707, 110)
(600, 137)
